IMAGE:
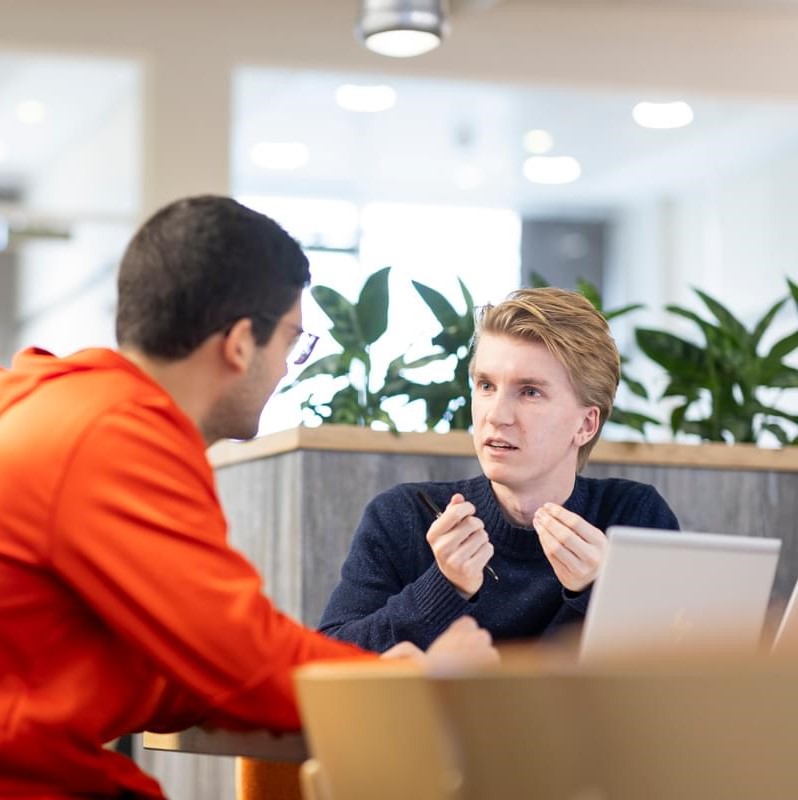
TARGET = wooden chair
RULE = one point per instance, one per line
(373, 732)
(677, 732)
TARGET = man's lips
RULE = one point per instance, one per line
(499, 444)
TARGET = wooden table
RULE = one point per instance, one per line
(265, 745)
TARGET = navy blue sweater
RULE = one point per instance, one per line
(392, 590)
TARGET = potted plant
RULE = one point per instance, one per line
(720, 381)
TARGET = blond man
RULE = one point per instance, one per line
(519, 546)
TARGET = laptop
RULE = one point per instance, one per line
(672, 590)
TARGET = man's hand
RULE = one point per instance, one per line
(460, 545)
(575, 548)
(463, 643)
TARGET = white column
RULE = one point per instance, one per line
(186, 125)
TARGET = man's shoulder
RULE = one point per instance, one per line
(624, 502)
(614, 487)
(440, 492)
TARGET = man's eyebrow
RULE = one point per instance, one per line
(530, 381)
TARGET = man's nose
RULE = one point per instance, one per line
(500, 409)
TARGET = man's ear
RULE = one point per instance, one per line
(589, 426)
(238, 347)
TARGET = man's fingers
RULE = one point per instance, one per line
(463, 624)
(571, 521)
(555, 549)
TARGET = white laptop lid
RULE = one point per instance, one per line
(671, 589)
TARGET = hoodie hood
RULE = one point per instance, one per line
(34, 366)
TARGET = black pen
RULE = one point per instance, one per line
(427, 500)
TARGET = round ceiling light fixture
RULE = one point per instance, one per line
(365, 99)
(552, 170)
(663, 115)
(402, 28)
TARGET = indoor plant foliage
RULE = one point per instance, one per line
(355, 327)
(720, 381)
(445, 401)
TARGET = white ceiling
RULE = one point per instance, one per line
(413, 151)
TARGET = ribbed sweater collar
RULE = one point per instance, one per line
(507, 538)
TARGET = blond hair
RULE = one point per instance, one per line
(574, 333)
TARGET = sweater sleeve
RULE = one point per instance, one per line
(391, 589)
(138, 533)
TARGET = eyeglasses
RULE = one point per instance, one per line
(304, 344)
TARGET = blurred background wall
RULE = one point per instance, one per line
(109, 110)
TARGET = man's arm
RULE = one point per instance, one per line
(138, 534)
(391, 589)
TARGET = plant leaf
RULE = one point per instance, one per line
(345, 329)
(793, 290)
(589, 291)
(372, 306)
(333, 365)
(782, 348)
(467, 297)
(537, 281)
(439, 305)
(635, 387)
(728, 321)
(632, 419)
(764, 323)
(777, 431)
(619, 312)
(680, 358)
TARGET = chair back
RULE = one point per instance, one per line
(373, 732)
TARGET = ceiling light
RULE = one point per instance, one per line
(663, 115)
(402, 28)
(538, 141)
(552, 169)
(352, 97)
(30, 112)
(280, 155)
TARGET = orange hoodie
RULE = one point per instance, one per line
(122, 606)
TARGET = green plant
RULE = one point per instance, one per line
(445, 401)
(355, 327)
(720, 381)
(619, 416)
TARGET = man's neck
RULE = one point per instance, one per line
(519, 504)
(182, 379)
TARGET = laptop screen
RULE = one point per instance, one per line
(679, 590)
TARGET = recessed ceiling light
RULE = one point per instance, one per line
(353, 97)
(402, 44)
(280, 155)
(538, 141)
(30, 112)
(552, 169)
(663, 115)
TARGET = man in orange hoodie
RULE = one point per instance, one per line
(122, 605)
